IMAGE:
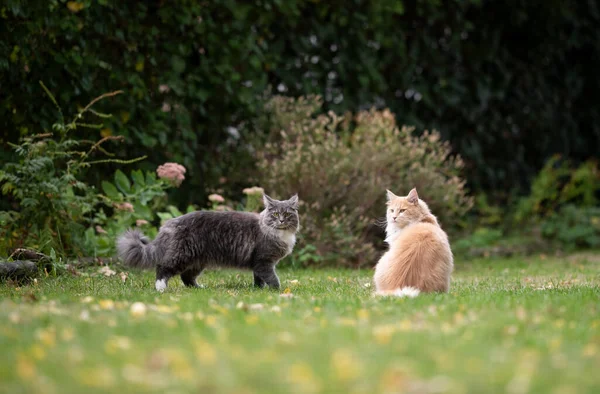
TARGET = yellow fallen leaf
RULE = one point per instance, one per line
(37, 352)
(383, 334)
(117, 344)
(98, 376)
(590, 350)
(205, 352)
(25, 367)
(362, 314)
(106, 304)
(345, 365)
(302, 375)
(68, 334)
(47, 336)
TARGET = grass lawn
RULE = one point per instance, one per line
(516, 326)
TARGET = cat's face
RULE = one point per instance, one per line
(281, 215)
(402, 211)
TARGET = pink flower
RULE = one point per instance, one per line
(172, 172)
(166, 107)
(163, 88)
(124, 206)
(255, 190)
(100, 230)
(216, 198)
(141, 222)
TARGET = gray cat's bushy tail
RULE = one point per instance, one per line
(135, 250)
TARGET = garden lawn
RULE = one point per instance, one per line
(517, 326)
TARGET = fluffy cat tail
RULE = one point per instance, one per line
(134, 250)
(408, 291)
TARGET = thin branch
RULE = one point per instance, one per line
(94, 101)
(118, 161)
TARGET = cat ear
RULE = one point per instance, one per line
(294, 201)
(268, 201)
(413, 197)
(390, 195)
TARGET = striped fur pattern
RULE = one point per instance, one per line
(188, 244)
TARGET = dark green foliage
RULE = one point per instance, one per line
(53, 210)
(574, 227)
(564, 203)
(558, 184)
(507, 83)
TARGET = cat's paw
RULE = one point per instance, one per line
(160, 285)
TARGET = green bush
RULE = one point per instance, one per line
(560, 183)
(563, 203)
(341, 168)
(574, 227)
(54, 210)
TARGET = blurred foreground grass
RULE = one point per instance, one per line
(517, 326)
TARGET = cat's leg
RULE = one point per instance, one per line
(189, 276)
(163, 274)
(264, 274)
(258, 282)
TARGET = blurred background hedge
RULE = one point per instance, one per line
(507, 83)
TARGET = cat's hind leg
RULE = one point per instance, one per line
(264, 275)
(258, 282)
(189, 276)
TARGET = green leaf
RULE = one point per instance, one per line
(142, 211)
(174, 211)
(164, 216)
(138, 178)
(122, 182)
(150, 178)
(111, 191)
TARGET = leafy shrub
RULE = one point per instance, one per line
(128, 203)
(563, 202)
(560, 183)
(341, 167)
(53, 204)
(574, 227)
(57, 213)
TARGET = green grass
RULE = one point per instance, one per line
(517, 326)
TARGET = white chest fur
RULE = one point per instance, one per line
(288, 237)
(391, 233)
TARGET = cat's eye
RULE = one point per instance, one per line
(276, 215)
(392, 210)
(401, 210)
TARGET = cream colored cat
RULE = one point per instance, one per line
(419, 258)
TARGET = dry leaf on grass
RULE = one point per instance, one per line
(124, 276)
(106, 271)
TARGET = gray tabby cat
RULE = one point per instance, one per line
(188, 244)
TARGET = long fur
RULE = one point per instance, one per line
(134, 249)
(188, 244)
(409, 292)
(419, 257)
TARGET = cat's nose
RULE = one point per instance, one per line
(394, 218)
